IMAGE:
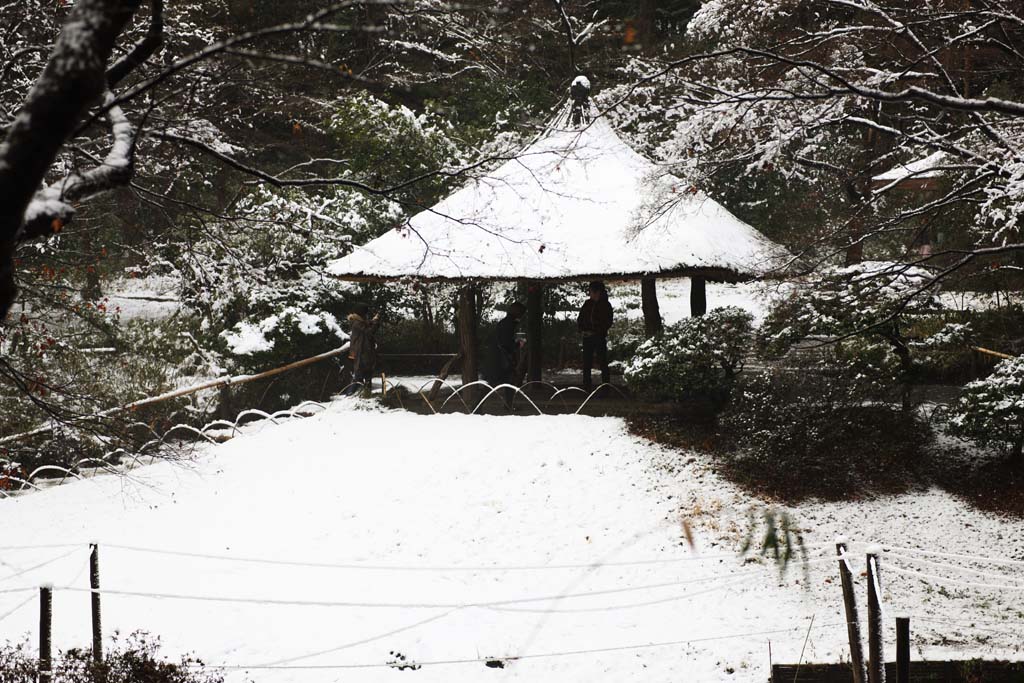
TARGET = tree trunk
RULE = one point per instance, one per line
(468, 344)
(906, 366)
(698, 296)
(535, 330)
(649, 305)
(645, 24)
(91, 291)
(1018, 448)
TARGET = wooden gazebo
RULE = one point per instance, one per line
(575, 204)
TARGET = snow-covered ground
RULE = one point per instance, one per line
(557, 540)
(674, 297)
(148, 298)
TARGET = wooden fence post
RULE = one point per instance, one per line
(45, 633)
(94, 583)
(852, 621)
(876, 653)
(902, 649)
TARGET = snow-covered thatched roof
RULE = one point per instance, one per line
(575, 204)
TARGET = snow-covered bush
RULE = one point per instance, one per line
(991, 410)
(259, 291)
(700, 355)
(873, 305)
(281, 333)
(821, 430)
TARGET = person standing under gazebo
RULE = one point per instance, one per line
(505, 347)
(594, 321)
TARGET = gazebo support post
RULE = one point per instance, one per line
(649, 305)
(698, 296)
(468, 346)
(535, 329)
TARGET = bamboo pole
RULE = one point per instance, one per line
(997, 354)
(178, 393)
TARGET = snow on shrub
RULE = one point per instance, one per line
(699, 355)
(991, 410)
(824, 428)
(288, 326)
(880, 306)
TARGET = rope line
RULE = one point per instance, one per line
(911, 558)
(425, 568)
(946, 622)
(364, 641)
(612, 608)
(432, 605)
(958, 556)
(538, 655)
(40, 565)
(17, 607)
(943, 579)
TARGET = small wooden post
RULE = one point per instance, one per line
(902, 649)
(650, 307)
(94, 583)
(535, 329)
(45, 633)
(468, 346)
(443, 376)
(876, 653)
(698, 296)
(852, 621)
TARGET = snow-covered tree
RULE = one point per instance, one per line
(790, 109)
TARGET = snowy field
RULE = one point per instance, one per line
(314, 549)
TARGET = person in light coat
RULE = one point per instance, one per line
(362, 349)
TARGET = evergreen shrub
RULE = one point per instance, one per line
(990, 411)
(699, 356)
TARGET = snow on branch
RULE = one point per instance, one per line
(73, 79)
(143, 50)
(51, 207)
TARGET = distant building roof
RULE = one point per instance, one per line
(918, 174)
(576, 203)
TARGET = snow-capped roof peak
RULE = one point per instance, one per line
(575, 204)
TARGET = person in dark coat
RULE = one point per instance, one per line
(362, 349)
(594, 321)
(505, 346)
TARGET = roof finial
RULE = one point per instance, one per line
(579, 92)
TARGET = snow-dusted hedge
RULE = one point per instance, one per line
(991, 410)
(697, 356)
(827, 428)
